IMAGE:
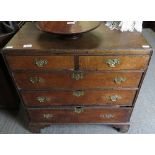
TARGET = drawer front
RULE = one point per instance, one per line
(78, 80)
(80, 115)
(40, 62)
(113, 62)
(79, 97)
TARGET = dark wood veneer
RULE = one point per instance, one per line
(89, 80)
(88, 97)
(125, 62)
(88, 115)
(73, 86)
(30, 62)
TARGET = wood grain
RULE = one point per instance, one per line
(64, 28)
(101, 39)
(125, 62)
(64, 80)
(89, 115)
(29, 62)
(89, 97)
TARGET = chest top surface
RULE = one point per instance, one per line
(99, 39)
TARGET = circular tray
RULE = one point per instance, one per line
(67, 27)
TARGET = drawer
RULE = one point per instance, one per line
(77, 80)
(113, 62)
(79, 97)
(81, 115)
(40, 62)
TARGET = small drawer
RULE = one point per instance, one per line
(81, 115)
(113, 62)
(77, 80)
(40, 62)
(79, 97)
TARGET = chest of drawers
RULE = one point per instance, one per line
(92, 79)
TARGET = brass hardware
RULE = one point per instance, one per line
(119, 80)
(47, 116)
(114, 98)
(113, 62)
(78, 93)
(35, 79)
(78, 110)
(40, 62)
(42, 99)
(107, 116)
(77, 75)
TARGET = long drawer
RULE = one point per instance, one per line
(40, 62)
(77, 80)
(133, 62)
(80, 115)
(78, 97)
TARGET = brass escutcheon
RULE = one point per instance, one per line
(78, 110)
(41, 62)
(78, 93)
(77, 75)
(113, 62)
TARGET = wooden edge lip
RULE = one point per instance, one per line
(86, 89)
(77, 51)
(71, 90)
(64, 71)
(106, 123)
(86, 107)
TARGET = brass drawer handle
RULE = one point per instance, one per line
(107, 116)
(114, 98)
(77, 75)
(112, 62)
(35, 79)
(41, 62)
(78, 93)
(78, 110)
(42, 99)
(119, 80)
(48, 116)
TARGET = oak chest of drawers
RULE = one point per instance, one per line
(92, 79)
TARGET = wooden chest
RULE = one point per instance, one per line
(92, 79)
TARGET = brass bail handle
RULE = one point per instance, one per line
(40, 62)
(42, 99)
(35, 79)
(48, 116)
(113, 62)
(107, 116)
(114, 98)
(119, 80)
